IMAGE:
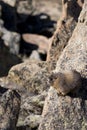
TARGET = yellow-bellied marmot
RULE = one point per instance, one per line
(65, 82)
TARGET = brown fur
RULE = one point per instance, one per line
(66, 82)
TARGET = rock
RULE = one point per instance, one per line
(29, 75)
(31, 109)
(10, 2)
(12, 40)
(74, 55)
(54, 10)
(33, 121)
(9, 109)
(32, 77)
(24, 7)
(40, 41)
(65, 27)
(69, 112)
(35, 56)
(63, 113)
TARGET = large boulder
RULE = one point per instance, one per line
(32, 82)
(70, 112)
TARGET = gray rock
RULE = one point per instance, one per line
(24, 7)
(35, 56)
(12, 40)
(33, 121)
(69, 112)
(32, 77)
(9, 109)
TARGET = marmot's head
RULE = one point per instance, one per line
(54, 76)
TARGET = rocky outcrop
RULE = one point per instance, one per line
(9, 108)
(32, 84)
(69, 112)
(65, 27)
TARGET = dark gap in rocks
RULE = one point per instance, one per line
(37, 24)
(26, 48)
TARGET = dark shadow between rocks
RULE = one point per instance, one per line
(3, 90)
(82, 92)
(74, 9)
(27, 48)
(36, 24)
(8, 16)
(7, 60)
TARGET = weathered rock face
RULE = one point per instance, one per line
(29, 75)
(33, 84)
(74, 55)
(70, 112)
(9, 108)
(65, 27)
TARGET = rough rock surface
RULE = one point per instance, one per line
(33, 84)
(70, 112)
(65, 27)
(29, 75)
(9, 108)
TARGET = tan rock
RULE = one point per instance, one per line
(41, 41)
(10, 2)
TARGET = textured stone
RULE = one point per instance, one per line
(9, 109)
(69, 112)
(31, 75)
(32, 82)
(64, 30)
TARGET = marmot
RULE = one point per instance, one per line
(65, 82)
